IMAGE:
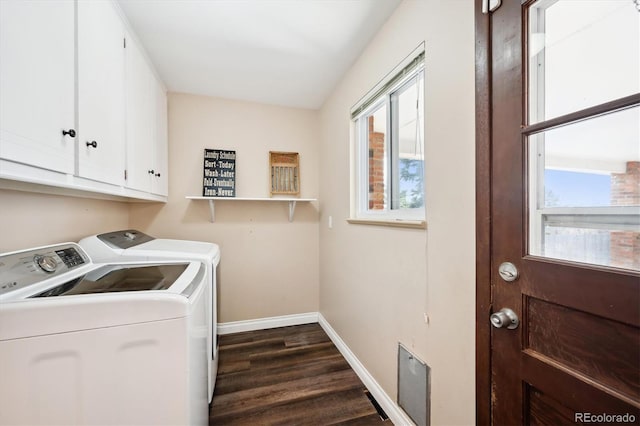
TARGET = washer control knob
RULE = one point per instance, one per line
(46, 263)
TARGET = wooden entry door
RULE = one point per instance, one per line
(558, 150)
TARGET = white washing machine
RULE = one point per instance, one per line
(130, 244)
(84, 343)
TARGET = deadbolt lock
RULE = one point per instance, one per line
(508, 271)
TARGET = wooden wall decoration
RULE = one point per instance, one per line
(285, 173)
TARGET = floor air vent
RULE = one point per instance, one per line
(413, 387)
(381, 413)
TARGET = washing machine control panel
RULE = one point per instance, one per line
(125, 239)
(19, 270)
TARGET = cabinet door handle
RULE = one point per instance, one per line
(157, 174)
(151, 172)
(69, 132)
(93, 144)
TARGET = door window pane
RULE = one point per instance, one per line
(581, 53)
(584, 181)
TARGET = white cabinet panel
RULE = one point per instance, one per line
(101, 100)
(141, 119)
(37, 77)
(147, 159)
(161, 184)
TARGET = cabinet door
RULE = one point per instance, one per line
(37, 76)
(141, 119)
(101, 102)
(161, 183)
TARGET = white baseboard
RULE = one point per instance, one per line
(266, 323)
(395, 413)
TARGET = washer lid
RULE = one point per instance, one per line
(117, 278)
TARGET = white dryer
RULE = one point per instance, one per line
(131, 244)
(84, 343)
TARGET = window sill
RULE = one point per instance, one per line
(397, 223)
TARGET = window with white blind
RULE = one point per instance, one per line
(388, 154)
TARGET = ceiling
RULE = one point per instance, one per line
(280, 52)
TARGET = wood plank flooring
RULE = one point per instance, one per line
(287, 376)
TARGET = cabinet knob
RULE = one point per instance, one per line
(157, 174)
(93, 144)
(151, 172)
(69, 132)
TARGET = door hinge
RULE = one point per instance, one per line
(125, 174)
(489, 6)
(124, 42)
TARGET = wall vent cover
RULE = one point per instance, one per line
(414, 384)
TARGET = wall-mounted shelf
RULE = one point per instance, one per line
(292, 203)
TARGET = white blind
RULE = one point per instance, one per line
(412, 63)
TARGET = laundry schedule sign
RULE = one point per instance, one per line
(219, 173)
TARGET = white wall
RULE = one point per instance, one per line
(269, 266)
(29, 219)
(376, 282)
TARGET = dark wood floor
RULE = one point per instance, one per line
(288, 376)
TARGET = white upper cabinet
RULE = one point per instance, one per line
(146, 125)
(37, 78)
(101, 92)
(161, 183)
(80, 107)
(141, 119)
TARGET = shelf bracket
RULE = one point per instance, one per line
(292, 209)
(212, 210)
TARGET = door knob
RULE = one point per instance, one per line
(505, 317)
